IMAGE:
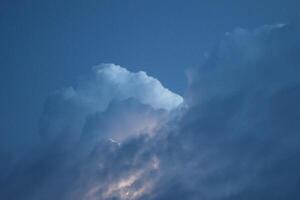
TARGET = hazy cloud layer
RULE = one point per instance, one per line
(123, 136)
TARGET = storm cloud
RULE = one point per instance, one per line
(239, 138)
(123, 136)
(105, 92)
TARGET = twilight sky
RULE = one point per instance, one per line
(149, 100)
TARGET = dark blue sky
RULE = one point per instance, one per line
(46, 45)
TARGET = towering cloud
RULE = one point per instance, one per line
(98, 127)
(112, 95)
(123, 136)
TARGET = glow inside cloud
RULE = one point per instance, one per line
(113, 137)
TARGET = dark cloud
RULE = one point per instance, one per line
(236, 136)
(240, 137)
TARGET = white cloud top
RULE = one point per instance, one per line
(111, 102)
(113, 82)
(140, 86)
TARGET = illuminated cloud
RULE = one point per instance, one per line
(122, 99)
(122, 136)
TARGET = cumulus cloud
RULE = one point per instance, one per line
(123, 136)
(69, 111)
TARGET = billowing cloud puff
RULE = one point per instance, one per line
(86, 128)
(67, 112)
(236, 138)
(122, 84)
(112, 82)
